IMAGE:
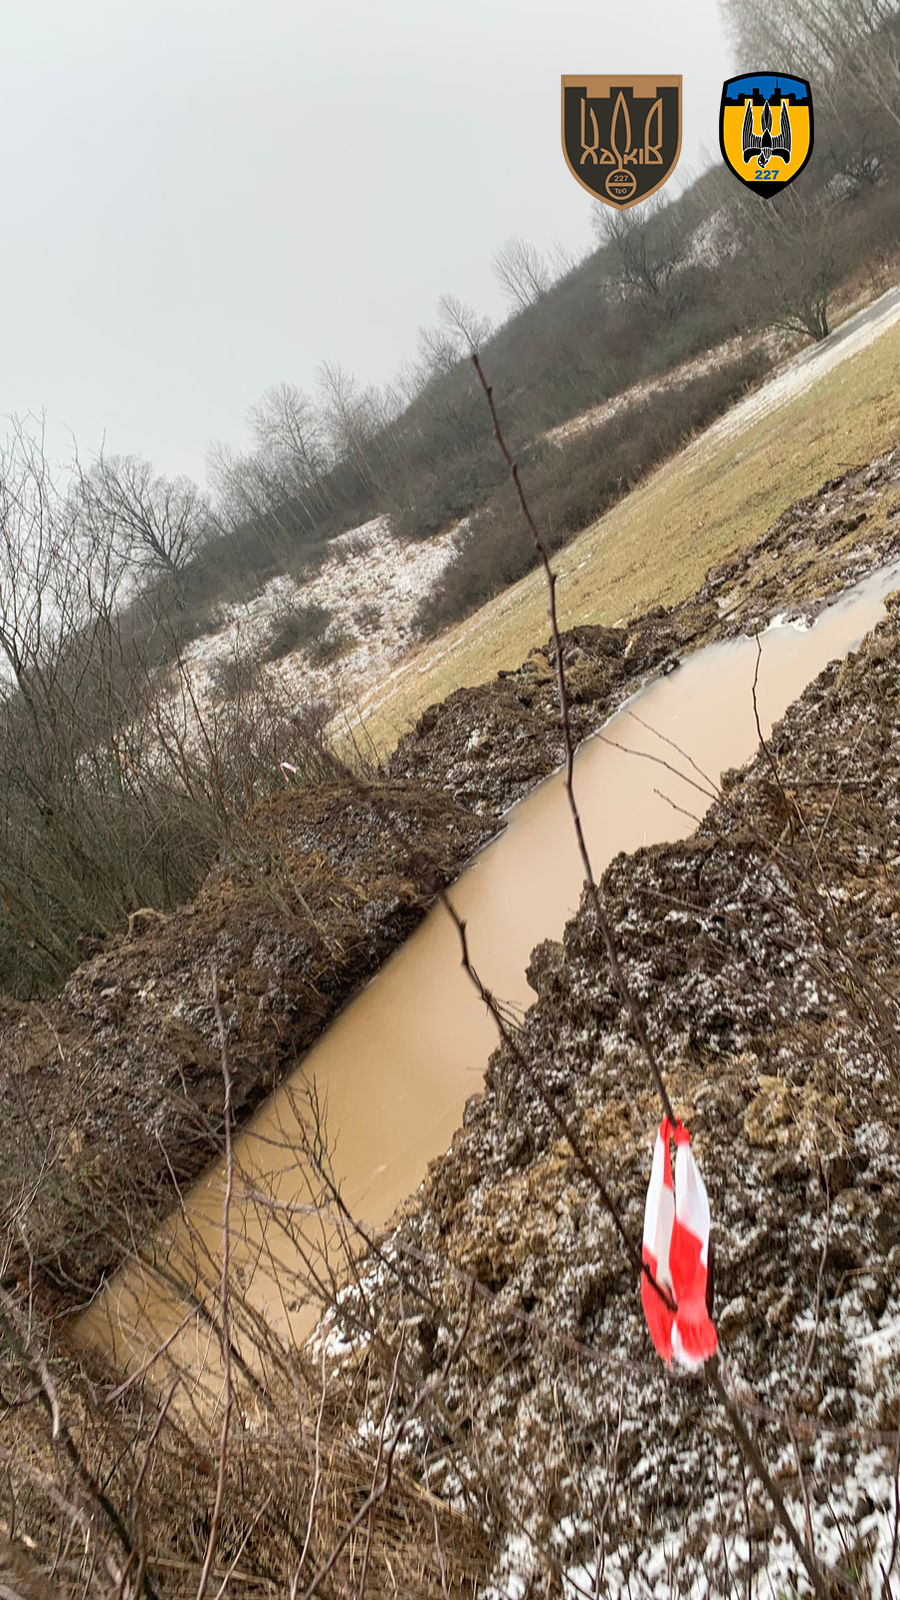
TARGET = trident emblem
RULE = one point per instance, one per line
(621, 136)
(762, 145)
(621, 183)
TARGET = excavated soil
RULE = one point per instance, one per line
(765, 951)
(115, 1085)
(489, 745)
(117, 1082)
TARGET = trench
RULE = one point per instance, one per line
(393, 1072)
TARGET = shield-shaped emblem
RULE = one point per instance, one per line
(621, 137)
(766, 129)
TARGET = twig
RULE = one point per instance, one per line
(19, 1338)
(381, 1489)
(817, 1314)
(224, 1298)
(711, 1373)
(144, 1368)
(790, 808)
(389, 1400)
(755, 1458)
(528, 1069)
(317, 1474)
(629, 999)
(36, 1357)
(892, 1554)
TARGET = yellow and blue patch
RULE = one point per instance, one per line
(766, 129)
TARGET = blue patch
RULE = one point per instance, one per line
(765, 84)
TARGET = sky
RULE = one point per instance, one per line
(202, 198)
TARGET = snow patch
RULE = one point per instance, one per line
(372, 585)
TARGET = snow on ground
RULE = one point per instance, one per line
(596, 416)
(794, 377)
(372, 585)
(374, 582)
(805, 369)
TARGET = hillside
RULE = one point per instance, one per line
(450, 833)
(361, 603)
(199, 647)
(605, 366)
(709, 501)
(320, 887)
(372, 584)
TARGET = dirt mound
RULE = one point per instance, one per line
(116, 1084)
(491, 744)
(820, 545)
(766, 952)
(117, 1081)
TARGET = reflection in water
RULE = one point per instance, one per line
(393, 1072)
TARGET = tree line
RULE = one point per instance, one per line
(667, 280)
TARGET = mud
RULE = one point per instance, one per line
(393, 1074)
(765, 950)
(116, 1084)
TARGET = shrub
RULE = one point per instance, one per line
(367, 617)
(294, 627)
(572, 484)
(308, 559)
(328, 646)
(358, 542)
(233, 675)
(118, 788)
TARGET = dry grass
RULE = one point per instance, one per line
(655, 547)
(126, 1510)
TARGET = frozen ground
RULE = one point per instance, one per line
(604, 1475)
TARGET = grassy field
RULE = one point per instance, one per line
(656, 545)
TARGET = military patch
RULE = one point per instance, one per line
(621, 137)
(766, 129)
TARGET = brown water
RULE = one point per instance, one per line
(394, 1070)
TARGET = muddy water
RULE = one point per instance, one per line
(393, 1072)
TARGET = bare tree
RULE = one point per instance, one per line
(522, 272)
(441, 348)
(859, 155)
(851, 42)
(290, 441)
(649, 246)
(463, 322)
(283, 480)
(33, 551)
(345, 409)
(240, 489)
(438, 352)
(791, 259)
(563, 259)
(352, 418)
(286, 423)
(157, 524)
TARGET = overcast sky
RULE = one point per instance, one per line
(204, 197)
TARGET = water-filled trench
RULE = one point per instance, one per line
(391, 1075)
